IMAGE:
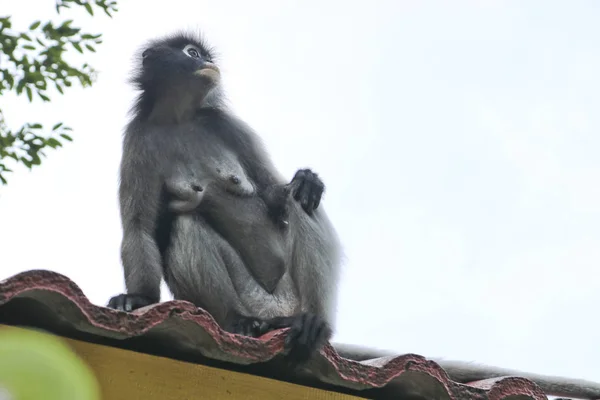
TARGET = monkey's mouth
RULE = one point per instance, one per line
(209, 70)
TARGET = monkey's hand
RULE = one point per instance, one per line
(307, 188)
(129, 302)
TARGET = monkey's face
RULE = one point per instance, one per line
(180, 63)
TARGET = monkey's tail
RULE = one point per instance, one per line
(465, 372)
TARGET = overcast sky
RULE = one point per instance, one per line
(458, 141)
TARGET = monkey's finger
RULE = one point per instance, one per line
(298, 182)
(299, 175)
(298, 189)
(251, 328)
(112, 303)
(316, 328)
(306, 331)
(117, 302)
(305, 196)
(315, 198)
(128, 304)
(318, 196)
(263, 328)
(319, 332)
(292, 337)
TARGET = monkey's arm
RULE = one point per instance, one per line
(140, 201)
(464, 372)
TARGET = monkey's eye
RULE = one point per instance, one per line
(191, 51)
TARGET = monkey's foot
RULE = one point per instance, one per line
(129, 302)
(308, 334)
(308, 189)
(248, 326)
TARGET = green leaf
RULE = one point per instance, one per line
(35, 159)
(77, 47)
(34, 59)
(10, 80)
(20, 86)
(53, 143)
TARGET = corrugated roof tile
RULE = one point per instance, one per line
(178, 329)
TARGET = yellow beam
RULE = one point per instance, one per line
(128, 375)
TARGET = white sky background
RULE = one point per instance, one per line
(458, 141)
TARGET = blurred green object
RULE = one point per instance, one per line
(39, 366)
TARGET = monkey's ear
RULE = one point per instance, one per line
(146, 53)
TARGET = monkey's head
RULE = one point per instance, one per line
(178, 64)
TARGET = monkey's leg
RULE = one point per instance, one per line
(201, 267)
(315, 261)
(316, 250)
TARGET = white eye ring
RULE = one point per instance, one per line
(191, 51)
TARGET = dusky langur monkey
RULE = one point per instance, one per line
(256, 261)
(256, 252)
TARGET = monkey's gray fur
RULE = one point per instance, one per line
(188, 190)
(261, 258)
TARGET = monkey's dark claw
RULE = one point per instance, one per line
(307, 335)
(129, 302)
(308, 189)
